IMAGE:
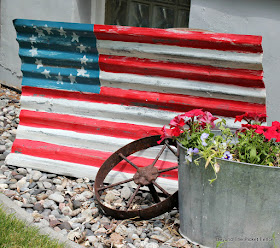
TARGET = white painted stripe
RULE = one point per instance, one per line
(76, 170)
(86, 141)
(251, 61)
(180, 86)
(108, 112)
(71, 138)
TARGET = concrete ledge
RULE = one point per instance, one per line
(12, 208)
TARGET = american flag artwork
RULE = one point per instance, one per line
(88, 90)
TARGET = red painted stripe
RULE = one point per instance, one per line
(163, 101)
(147, 67)
(85, 125)
(195, 39)
(82, 156)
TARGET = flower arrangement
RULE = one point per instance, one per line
(251, 143)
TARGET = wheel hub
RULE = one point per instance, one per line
(146, 175)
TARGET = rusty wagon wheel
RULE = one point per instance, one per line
(144, 176)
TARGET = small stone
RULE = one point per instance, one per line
(13, 186)
(37, 192)
(75, 212)
(121, 229)
(110, 196)
(76, 225)
(66, 210)
(90, 214)
(158, 223)
(48, 203)
(3, 176)
(22, 171)
(10, 193)
(180, 243)
(40, 185)
(57, 181)
(50, 176)
(56, 213)
(3, 186)
(134, 236)
(41, 197)
(39, 207)
(78, 220)
(92, 239)
(84, 196)
(27, 205)
(159, 238)
(65, 225)
(58, 188)
(105, 221)
(46, 213)
(129, 240)
(36, 175)
(125, 192)
(76, 204)
(95, 226)
(47, 185)
(2, 148)
(32, 185)
(18, 177)
(36, 216)
(57, 197)
(54, 223)
(74, 235)
(89, 232)
(100, 231)
(19, 203)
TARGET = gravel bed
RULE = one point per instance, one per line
(68, 205)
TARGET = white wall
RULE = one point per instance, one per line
(256, 17)
(82, 11)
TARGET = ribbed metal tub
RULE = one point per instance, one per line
(242, 207)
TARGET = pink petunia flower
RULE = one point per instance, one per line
(165, 134)
(194, 112)
(207, 118)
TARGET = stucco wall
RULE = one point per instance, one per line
(82, 11)
(256, 17)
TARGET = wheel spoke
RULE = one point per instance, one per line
(132, 197)
(159, 154)
(162, 189)
(168, 169)
(115, 184)
(128, 161)
(171, 149)
(154, 193)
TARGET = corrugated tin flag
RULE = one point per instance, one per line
(87, 90)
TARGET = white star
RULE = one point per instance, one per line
(84, 60)
(75, 37)
(59, 79)
(38, 63)
(46, 73)
(82, 72)
(48, 29)
(33, 51)
(72, 79)
(62, 32)
(32, 39)
(39, 31)
(82, 48)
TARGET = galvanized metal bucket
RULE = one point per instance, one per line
(240, 209)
